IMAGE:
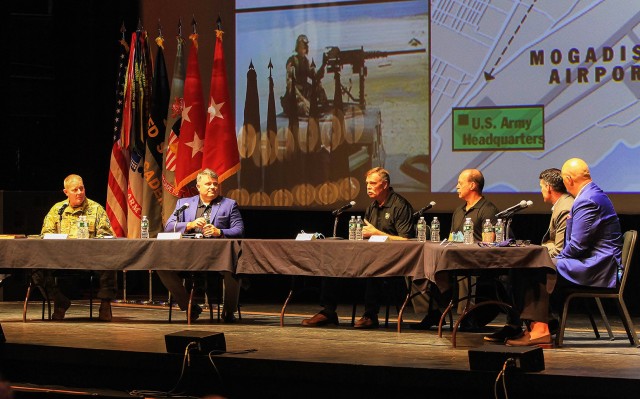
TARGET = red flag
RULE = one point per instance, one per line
(118, 165)
(220, 146)
(192, 130)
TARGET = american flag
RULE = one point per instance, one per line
(118, 167)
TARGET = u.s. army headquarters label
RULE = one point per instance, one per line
(498, 128)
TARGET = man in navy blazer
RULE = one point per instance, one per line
(591, 255)
(211, 215)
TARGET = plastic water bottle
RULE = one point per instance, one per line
(499, 230)
(352, 228)
(359, 224)
(488, 235)
(422, 229)
(435, 229)
(144, 227)
(83, 227)
(467, 231)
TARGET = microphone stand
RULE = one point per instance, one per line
(335, 228)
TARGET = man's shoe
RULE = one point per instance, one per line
(367, 322)
(320, 319)
(195, 312)
(554, 326)
(469, 325)
(430, 320)
(105, 311)
(505, 333)
(60, 306)
(228, 318)
(545, 341)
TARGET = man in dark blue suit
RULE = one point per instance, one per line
(591, 255)
(213, 216)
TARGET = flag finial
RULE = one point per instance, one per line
(194, 25)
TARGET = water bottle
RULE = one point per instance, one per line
(144, 227)
(499, 229)
(352, 228)
(422, 229)
(488, 234)
(359, 225)
(83, 227)
(435, 229)
(467, 231)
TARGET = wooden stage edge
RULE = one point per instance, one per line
(128, 356)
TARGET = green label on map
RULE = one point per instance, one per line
(498, 129)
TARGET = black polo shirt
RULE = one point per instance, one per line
(479, 212)
(394, 217)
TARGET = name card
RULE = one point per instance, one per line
(305, 237)
(378, 238)
(55, 236)
(169, 236)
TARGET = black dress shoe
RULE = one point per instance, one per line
(505, 333)
(195, 312)
(554, 326)
(228, 318)
(430, 320)
(469, 325)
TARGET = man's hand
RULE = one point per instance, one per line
(199, 222)
(210, 230)
(368, 230)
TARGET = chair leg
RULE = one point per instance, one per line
(170, 300)
(284, 306)
(627, 322)
(190, 301)
(26, 304)
(563, 321)
(208, 296)
(353, 315)
(91, 296)
(594, 327)
(605, 319)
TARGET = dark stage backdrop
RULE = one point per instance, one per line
(60, 77)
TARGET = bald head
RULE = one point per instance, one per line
(576, 175)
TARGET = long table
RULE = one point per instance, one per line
(442, 262)
(120, 254)
(422, 262)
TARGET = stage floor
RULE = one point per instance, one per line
(263, 358)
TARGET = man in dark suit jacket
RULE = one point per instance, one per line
(591, 255)
(211, 215)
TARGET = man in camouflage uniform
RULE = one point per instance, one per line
(63, 218)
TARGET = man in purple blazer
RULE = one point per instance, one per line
(591, 255)
(213, 216)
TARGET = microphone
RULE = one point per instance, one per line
(511, 210)
(181, 209)
(423, 210)
(60, 212)
(343, 208)
(177, 214)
